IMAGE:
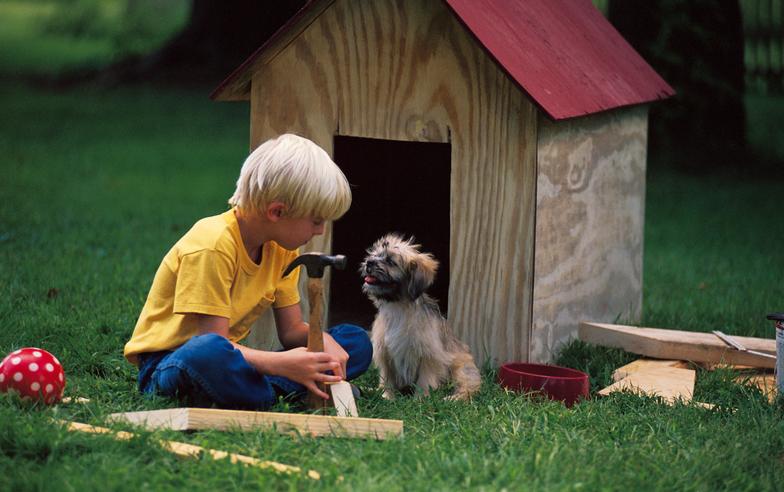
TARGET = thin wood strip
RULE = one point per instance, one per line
(74, 399)
(217, 419)
(192, 451)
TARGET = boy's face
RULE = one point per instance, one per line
(294, 233)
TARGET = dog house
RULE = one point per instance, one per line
(508, 136)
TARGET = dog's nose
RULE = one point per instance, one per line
(370, 263)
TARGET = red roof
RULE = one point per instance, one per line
(563, 53)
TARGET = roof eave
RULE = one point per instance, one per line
(236, 87)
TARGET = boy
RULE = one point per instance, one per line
(218, 278)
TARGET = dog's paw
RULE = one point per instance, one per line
(460, 396)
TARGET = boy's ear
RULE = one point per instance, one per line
(275, 211)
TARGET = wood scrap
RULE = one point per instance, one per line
(765, 382)
(676, 344)
(669, 383)
(74, 399)
(192, 451)
(343, 399)
(287, 423)
(645, 364)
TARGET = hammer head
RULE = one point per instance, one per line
(315, 263)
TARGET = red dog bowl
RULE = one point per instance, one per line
(558, 383)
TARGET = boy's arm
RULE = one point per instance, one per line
(293, 332)
(297, 364)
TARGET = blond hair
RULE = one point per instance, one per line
(297, 172)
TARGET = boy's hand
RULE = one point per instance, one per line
(333, 348)
(306, 368)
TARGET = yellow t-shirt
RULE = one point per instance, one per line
(209, 271)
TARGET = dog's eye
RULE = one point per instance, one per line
(388, 260)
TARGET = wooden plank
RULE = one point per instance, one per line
(765, 382)
(642, 365)
(287, 423)
(670, 383)
(343, 398)
(192, 451)
(675, 344)
(410, 71)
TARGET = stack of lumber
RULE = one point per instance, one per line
(668, 375)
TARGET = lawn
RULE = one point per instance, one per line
(97, 185)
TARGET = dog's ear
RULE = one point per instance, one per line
(422, 274)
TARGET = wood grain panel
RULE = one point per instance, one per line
(408, 70)
(590, 209)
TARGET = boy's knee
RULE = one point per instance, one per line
(356, 342)
(348, 330)
(204, 351)
(191, 370)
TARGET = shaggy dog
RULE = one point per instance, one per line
(412, 343)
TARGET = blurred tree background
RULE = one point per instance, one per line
(119, 41)
(697, 46)
(723, 57)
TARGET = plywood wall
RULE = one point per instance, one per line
(589, 224)
(408, 70)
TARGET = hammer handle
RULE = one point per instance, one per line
(315, 298)
(315, 337)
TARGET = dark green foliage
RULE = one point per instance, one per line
(697, 47)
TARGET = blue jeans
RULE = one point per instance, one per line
(207, 370)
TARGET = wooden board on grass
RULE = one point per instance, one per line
(641, 365)
(675, 344)
(670, 383)
(288, 423)
(765, 382)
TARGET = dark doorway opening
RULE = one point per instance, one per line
(397, 186)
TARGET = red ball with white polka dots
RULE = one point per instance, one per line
(33, 373)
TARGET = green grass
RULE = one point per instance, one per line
(713, 257)
(763, 120)
(99, 185)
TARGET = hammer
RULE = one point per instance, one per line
(315, 263)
